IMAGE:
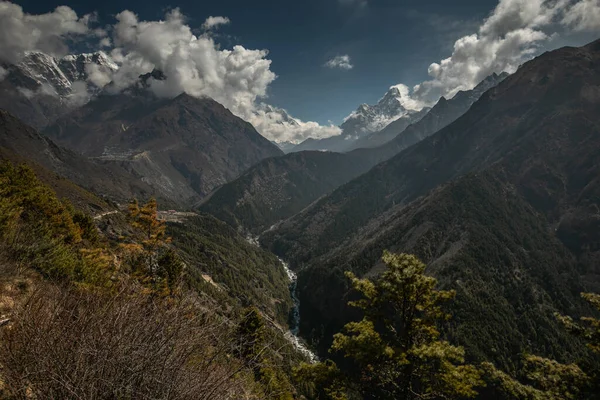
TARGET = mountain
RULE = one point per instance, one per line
(57, 166)
(286, 147)
(277, 188)
(502, 203)
(388, 133)
(364, 121)
(41, 87)
(183, 147)
(442, 114)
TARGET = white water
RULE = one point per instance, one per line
(292, 334)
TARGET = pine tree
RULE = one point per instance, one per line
(395, 351)
(153, 243)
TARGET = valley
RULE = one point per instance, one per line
(441, 242)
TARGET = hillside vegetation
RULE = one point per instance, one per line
(89, 316)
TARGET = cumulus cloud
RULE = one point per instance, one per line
(21, 32)
(98, 75)
(341, 62)
(514, 32)
(584, 16)
(276, 124)
(213, 22)
(3, 73)
(192, 64)
(406, 100)
(105, 42)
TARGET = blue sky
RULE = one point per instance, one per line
(428, 48)
(388, 42)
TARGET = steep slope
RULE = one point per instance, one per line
(277, 188)
(240, 273)
(183, 147)
(22, 144)
(364, 121)
(40, 87)
(480, 238)
(388, 133)
(270, 193)
(398, 135)
(535, 141)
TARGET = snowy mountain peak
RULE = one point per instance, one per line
(39, 71)
(368, 119)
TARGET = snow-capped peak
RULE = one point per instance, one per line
(372, 118)
(40, 72)
(43, 71)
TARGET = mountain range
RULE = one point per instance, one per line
(363, 123)
(275, 190)
(183, 147)
(490, 202)
(496, 189)
(40, 87)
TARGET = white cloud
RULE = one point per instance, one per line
(79, 95)
(584, 16)
(406, 100)
(21, 32)
(342, 62)
(276, 124)
(515, 31)
(238, 78)
(213, 22)
(3, 73)
(98, 75)
(192, 64)
(105, 42)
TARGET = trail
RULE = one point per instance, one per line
(104, 214)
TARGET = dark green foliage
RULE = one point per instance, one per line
(481, 239)
(39, 230)
(246, 272)
(170, 267)
(395, 351)
(250, 335)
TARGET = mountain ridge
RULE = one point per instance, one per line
(184, 147)
(533, 138)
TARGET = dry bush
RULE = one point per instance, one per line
(73, 344)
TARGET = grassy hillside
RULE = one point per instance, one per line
(241, 270)
(71, 291)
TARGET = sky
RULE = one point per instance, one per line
(317, 59)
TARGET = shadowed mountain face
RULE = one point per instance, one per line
(388, 133)
(278, 188)
(182, 147)
(21, 143)
(501, 202)
(400, 135)
(360, 127)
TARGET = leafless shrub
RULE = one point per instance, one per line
(75, 344)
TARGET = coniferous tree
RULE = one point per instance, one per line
(395, 351)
